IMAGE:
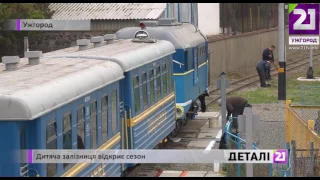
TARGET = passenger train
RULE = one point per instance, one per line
(190, 61)
(105, 94)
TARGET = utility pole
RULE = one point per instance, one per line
(310, 70)
(281, 58)
(233, 19)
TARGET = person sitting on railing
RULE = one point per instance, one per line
(235, 106)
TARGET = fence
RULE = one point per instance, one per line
(303, 162)
(234, 141)
(300, 129)
(246, 17)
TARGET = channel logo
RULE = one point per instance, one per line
(303, 19)
(280, 156)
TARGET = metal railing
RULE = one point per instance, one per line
(234, 141)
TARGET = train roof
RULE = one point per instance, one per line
(31, 91)
(129, 55)
(182, 36)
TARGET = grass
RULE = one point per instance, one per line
(306, 93)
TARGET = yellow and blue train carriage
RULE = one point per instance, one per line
(190, 61)
(148, 89)
(58, 103)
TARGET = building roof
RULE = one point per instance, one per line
(34, 90)
(107, 11)
(129, 55)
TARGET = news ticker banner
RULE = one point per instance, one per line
(279, 156)
(46, 25)
(304, 24)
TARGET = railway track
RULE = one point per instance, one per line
(250, 80)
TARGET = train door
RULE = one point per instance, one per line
(196, 64)
(208, 67)
(23, 146)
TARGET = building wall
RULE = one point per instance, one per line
(229, 53)
(209, 18)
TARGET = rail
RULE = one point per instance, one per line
(252, 79)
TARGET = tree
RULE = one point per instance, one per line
(9, 40)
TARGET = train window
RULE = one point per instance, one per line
(67, 135)
(81, 127)
(202, 52)
(104, 118)
(151, 81)
(114, 106)
(136, 94)
(144, 90)
(158, 76)
(164, 78)
(93, 125)
(51, 138)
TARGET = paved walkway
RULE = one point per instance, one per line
(188, 174)
(207, 139)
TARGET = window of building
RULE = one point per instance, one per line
(81, 128)
(114, 114)
(51, 138)
(104, 118)
(144, 90)
(136, 94)
(164, 78)
(67, 135)
(158, 76)
(151, 81)
(93, 125)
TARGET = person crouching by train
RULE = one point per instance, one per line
(267, 55)
(203, 100)
(235, 107)
(262, 68)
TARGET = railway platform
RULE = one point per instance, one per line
(197, 134)
(188, 174)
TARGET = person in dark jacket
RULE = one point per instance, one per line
(262, 69)
(80, 142)
(235, 107)
(267, 55)
(202, 99)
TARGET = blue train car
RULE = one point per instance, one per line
(58, 104)
(190, 65)
(105, 95)
(148, 90)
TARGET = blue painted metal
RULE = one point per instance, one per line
(178, 6)
(238, 147)
(141, 138)
(167, 10)
(36, 135)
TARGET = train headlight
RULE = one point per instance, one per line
(179, 111)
